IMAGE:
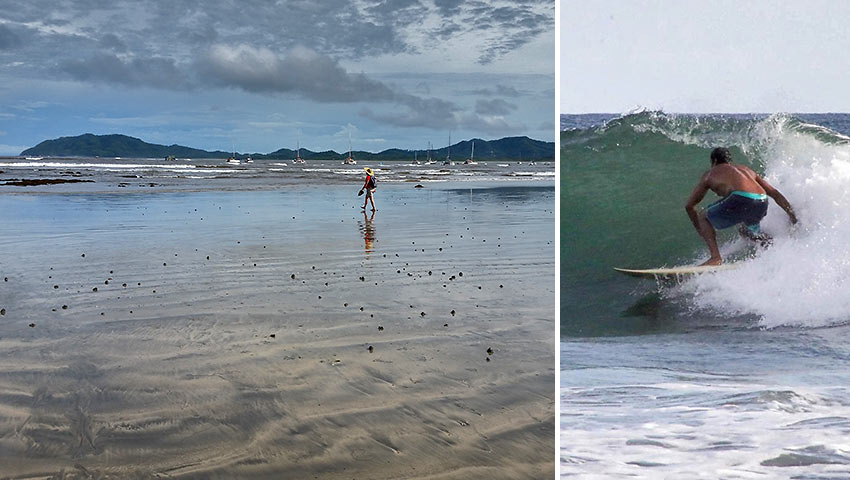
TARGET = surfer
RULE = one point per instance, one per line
(744, 202)
(369, 187)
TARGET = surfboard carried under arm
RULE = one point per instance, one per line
(676, 272)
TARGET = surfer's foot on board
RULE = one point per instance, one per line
(711, 261)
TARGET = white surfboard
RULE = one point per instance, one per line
(676, 272)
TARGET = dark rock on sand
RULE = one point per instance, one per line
(28, 182)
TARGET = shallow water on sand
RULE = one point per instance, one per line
(282, 332)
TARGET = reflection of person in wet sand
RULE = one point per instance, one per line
(369, 187)
(368, 229)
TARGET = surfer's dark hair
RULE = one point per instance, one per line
(720, 155)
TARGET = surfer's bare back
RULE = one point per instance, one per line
(744, 202)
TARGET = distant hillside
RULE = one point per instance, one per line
(89, 145)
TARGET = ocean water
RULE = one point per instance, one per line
(738, 374)
(103, 174)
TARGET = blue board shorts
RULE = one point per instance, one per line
(738, 207)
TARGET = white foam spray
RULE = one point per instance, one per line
(803, 279)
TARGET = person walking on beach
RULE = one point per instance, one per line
(744, 202)
(369, 187)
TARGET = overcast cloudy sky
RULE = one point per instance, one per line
(252, 74)
(704, 56)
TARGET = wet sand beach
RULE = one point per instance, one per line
(279, 333)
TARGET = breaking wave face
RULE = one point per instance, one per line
(624, 185)
(804, 278)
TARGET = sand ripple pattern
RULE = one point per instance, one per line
(278, 334)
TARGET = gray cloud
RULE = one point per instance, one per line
(441, 115)
(496, 106)
(506, 27)
(289, 47)
(449, 7)
(519, 23)
(110, 41)
(302, 71)
(8, 38)
(497, 91)
(109, 68)
(492, 125)
(343, 29)
(418, 112)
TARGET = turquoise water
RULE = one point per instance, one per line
(739, 374)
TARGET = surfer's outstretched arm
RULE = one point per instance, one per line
(777, 197)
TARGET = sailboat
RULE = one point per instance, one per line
(298, 158)
(349, 160)
(449, 152)
(232, 159)
(471, 159)
(430, 161)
